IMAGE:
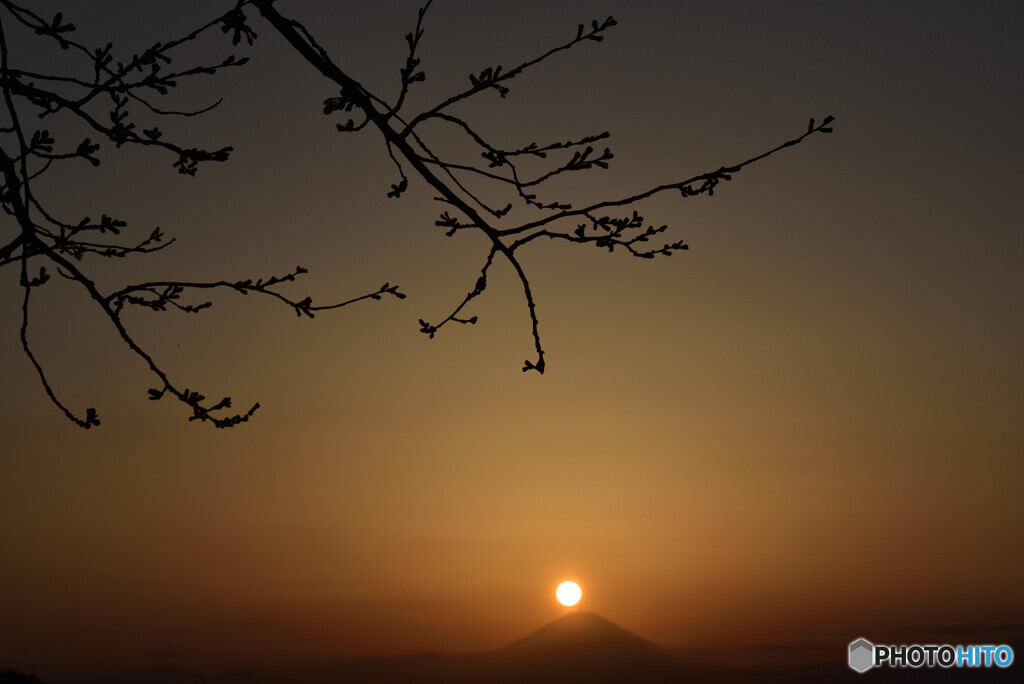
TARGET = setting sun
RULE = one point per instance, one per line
(568, 593)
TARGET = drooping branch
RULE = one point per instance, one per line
(466, 210)
(69, 244)
(355, 92)
(121, 102)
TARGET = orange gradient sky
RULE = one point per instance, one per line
(805, 429)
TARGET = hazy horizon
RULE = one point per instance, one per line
(803, 430)
(578, 646)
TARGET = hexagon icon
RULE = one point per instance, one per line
(862, 655)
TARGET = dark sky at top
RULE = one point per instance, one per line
(804, 429)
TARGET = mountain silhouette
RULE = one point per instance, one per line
(582, 647)
(579, 634)
(574, 649)
(578, 647)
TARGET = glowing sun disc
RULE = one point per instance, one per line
(568, 593)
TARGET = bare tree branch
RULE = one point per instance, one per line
(629, 232)
(67, 244)
(119, 95)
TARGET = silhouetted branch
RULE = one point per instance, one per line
(111, 100)
(697, 185)
(91, 418)
(466, 209)
(410, 72)
(492, 77)
(481, 285)
(167, 293)
(41, 235)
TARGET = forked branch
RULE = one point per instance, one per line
(111, 101)
(464, 209)
(120, 101)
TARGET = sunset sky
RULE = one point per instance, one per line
(806, 429)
